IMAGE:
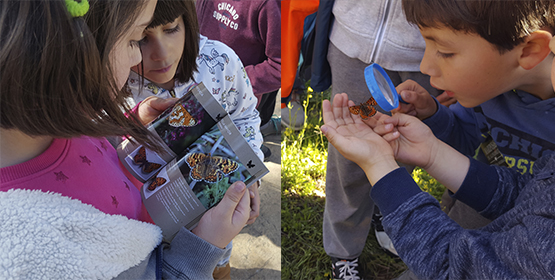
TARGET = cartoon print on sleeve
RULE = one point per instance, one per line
(249, 134)
(229, 98)
(214, 60)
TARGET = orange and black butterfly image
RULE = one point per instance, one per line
(181, 117)
(158, 181)
(365, 110)
(209, 168)
(144, 164)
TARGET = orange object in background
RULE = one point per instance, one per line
(293, 14)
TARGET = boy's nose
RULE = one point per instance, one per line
(427, 65)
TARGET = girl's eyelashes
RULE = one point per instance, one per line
(444, 55)
(172, 30)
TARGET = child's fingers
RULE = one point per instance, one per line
(391, 136)
(384, 129)
(232, 199)
(242, 211)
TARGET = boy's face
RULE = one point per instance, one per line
(467, 66)
(162, 48)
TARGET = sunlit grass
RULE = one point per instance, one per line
(303, 171)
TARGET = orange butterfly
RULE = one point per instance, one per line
(145, 165)
(158, 181)
(209, 168)
(181, 117)
(365, 110)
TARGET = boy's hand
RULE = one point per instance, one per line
(421, 103)
(222, 223)
(255, 202)
(152, 107)
(356, 140)
(446, 100)
(411, 140)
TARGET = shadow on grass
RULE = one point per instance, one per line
(303, 255)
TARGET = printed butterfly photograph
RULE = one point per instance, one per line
(181, 124)
(210, 167)
(141, 160)
(156, 182)
(179, 117)
(365, 110)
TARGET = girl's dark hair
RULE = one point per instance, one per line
(55, 73)
(503, 23)
(168, 11)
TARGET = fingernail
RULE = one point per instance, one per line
(404, 94)
(251, 193)
(240, 186)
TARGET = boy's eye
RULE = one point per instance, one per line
(444, 55)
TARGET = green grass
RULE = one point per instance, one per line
(303, 171)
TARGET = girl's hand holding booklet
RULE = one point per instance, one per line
(205, 153)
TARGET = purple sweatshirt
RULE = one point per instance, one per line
(252, 29)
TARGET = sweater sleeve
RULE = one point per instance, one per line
(266, 75)
(243, 110)
(186, 257)
(434, 247)
(456, 126)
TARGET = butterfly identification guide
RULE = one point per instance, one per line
(204, 154)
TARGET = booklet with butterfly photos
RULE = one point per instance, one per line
(204, 154)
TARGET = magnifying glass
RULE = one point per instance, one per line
(381, 87)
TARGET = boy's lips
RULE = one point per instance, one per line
(163, 70)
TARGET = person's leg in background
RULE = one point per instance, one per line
(348, 208)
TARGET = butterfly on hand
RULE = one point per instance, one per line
(146, 166)
(181, 117)
(158, 181)
(209, 168)
(365, 110)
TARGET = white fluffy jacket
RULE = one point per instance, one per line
(49, 236)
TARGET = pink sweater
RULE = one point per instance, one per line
(87, 169)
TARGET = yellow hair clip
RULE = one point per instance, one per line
(77, 9)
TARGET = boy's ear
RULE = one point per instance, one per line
(535, 49)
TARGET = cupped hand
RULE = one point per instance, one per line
(411, 140)
(355, 138)
(420, 103)
(221, 224)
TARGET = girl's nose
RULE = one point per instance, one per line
(160, 51)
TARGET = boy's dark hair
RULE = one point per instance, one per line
(503, 23)
(166, 12)
(55, 73)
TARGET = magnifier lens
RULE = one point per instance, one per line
(384, 87)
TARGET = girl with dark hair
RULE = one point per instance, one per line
(67, 207)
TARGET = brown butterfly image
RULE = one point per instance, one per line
(145, 165)
(181, 117)
(209, 168)
(157, 182)
(365, 110)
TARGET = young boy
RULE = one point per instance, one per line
(530, 52)
(518, 244)
(482, 56)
